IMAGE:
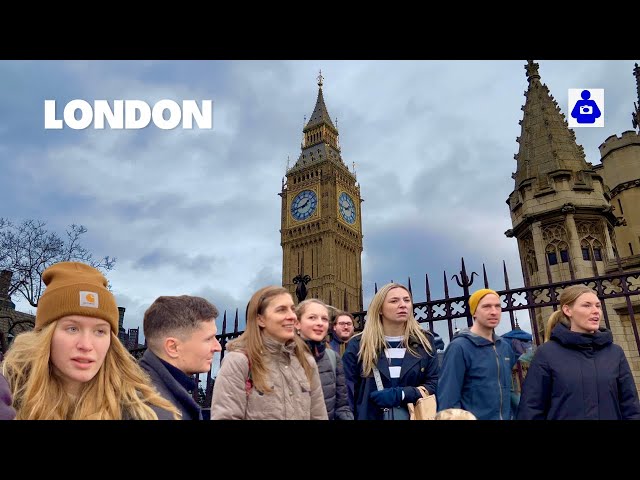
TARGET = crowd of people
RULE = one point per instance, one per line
(305, 361)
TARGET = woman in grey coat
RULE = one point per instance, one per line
(312, 326)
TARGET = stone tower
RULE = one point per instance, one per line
(620, 167)
(321, 223)
(560, 208)
(573, 220)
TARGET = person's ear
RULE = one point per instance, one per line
(171, 347)
(260, 321)
(566, 310)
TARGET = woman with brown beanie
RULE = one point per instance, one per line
(578, 373)
(72, 366)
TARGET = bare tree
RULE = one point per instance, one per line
(28, 249)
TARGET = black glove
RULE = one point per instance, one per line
(387, 397)
(411, 395)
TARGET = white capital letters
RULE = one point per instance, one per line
(86, 114)
(130, 109)
(203, 118)
(50, 121)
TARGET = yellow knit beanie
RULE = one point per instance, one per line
(477, 296)
(75, 288)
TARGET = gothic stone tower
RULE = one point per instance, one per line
(321, 234)
(620, 167)
(560, 207)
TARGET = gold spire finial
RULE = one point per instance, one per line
(320, 79)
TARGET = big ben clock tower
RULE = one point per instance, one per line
(321, 234)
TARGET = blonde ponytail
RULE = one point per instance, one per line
(552, 322)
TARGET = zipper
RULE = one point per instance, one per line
(499, 384)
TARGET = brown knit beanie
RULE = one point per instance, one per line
(75, 288)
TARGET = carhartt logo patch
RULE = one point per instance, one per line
(89, 299)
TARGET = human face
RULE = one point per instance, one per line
(585, 313)
(78, 348)
(343, 328)
(488, 311)
(396, 306)
(195, 353)
(314, 322)
(279, 317)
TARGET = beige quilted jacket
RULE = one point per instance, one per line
(292, 398)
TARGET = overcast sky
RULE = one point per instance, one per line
(197, 211)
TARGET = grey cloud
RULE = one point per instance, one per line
(198, 264)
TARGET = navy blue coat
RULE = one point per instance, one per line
(577, 376)
(415, 371)
(476, 376)
(170, 389)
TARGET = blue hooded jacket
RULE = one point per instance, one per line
(476, 376)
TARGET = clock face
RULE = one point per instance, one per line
(304, 204)
(347, 208)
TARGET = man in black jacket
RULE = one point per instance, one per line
(181, 341)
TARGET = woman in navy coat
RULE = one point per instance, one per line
(403, 352)
(578, 373)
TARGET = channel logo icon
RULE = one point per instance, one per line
(586, 107)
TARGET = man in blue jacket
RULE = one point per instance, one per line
(476, 368)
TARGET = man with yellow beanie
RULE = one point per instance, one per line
(476, 368)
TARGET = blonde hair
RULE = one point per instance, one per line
(455, 414)
(373, 341)
(120, 389)
(568, 297)
(251, 343)
(303, 305)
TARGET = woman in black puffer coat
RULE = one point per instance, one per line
(578, 373)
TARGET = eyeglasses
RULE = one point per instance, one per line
(344, 324)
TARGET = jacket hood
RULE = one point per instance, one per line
(477, 340)
(563, 335)
(518, 334)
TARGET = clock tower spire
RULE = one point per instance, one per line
(321, 226)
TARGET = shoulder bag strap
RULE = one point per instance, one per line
(376, 376)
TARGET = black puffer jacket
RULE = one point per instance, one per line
(334, 387)
(579, 376)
